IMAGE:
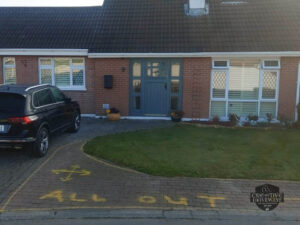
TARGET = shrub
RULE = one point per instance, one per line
(216, 119)
(247, 124)
(296, 124)
(269, 117)
(234, 119)
(285, 122)
(252, 118)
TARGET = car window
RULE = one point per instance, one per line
(11, 103)
(57, 94)
(43, 97)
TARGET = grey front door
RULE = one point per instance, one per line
(156, 98)
(155, 88)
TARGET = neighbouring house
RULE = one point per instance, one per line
(151, 57)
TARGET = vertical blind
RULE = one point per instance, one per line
(243, 92)
(62, 72)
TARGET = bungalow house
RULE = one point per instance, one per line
(150, 57)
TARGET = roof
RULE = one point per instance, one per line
(48, 27)
(156, 26)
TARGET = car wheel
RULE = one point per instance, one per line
(41, 145)
(76, 123)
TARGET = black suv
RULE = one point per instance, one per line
(29, 114)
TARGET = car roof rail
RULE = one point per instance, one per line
(40, 85)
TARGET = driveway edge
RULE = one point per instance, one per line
(146, 214)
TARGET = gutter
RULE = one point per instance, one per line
(44, 52)
(195, 54)
(84, 52)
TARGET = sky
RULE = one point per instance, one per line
(50, 2)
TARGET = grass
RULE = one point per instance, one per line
(188, 150)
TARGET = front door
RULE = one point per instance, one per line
(155, 88)
(156, 99)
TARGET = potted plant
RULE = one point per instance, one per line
(176, 116)
(113, 114)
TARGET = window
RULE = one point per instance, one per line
(244, 79)
(42, 98)
(57, 94)
(244, 89)
(175, 69)
(156, 69)
(11, 103)
(224, 64)
(271, 64)
(65, 73)
(137, 70)
(9, 70)
(175, 85)
(219, 84)
(136, 85)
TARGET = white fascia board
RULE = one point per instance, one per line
(44, 52)
(196, 54)
(84, 52)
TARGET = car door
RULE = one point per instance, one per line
(64, 108)
(45, 106)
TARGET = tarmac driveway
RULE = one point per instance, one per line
(68, 179)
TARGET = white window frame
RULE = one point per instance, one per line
(270, 67)
(220, 67)
(258, 101)
(225, 99)
(8, 66)
(52, 68)
(264, 100)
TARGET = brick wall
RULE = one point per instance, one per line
(118, 96)
(196, 87)
(27, 69)
(86, 99)
(196, 84)
(27, 73)
(288, 87)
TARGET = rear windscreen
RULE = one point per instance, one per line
(11, 103)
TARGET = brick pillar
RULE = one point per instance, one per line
(288, 87)
(196, 87)
(118, 96)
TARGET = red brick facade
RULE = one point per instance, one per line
(196, 85)
(118, 96)
(27, 69)
(288, 87)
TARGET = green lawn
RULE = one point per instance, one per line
(187, 150)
